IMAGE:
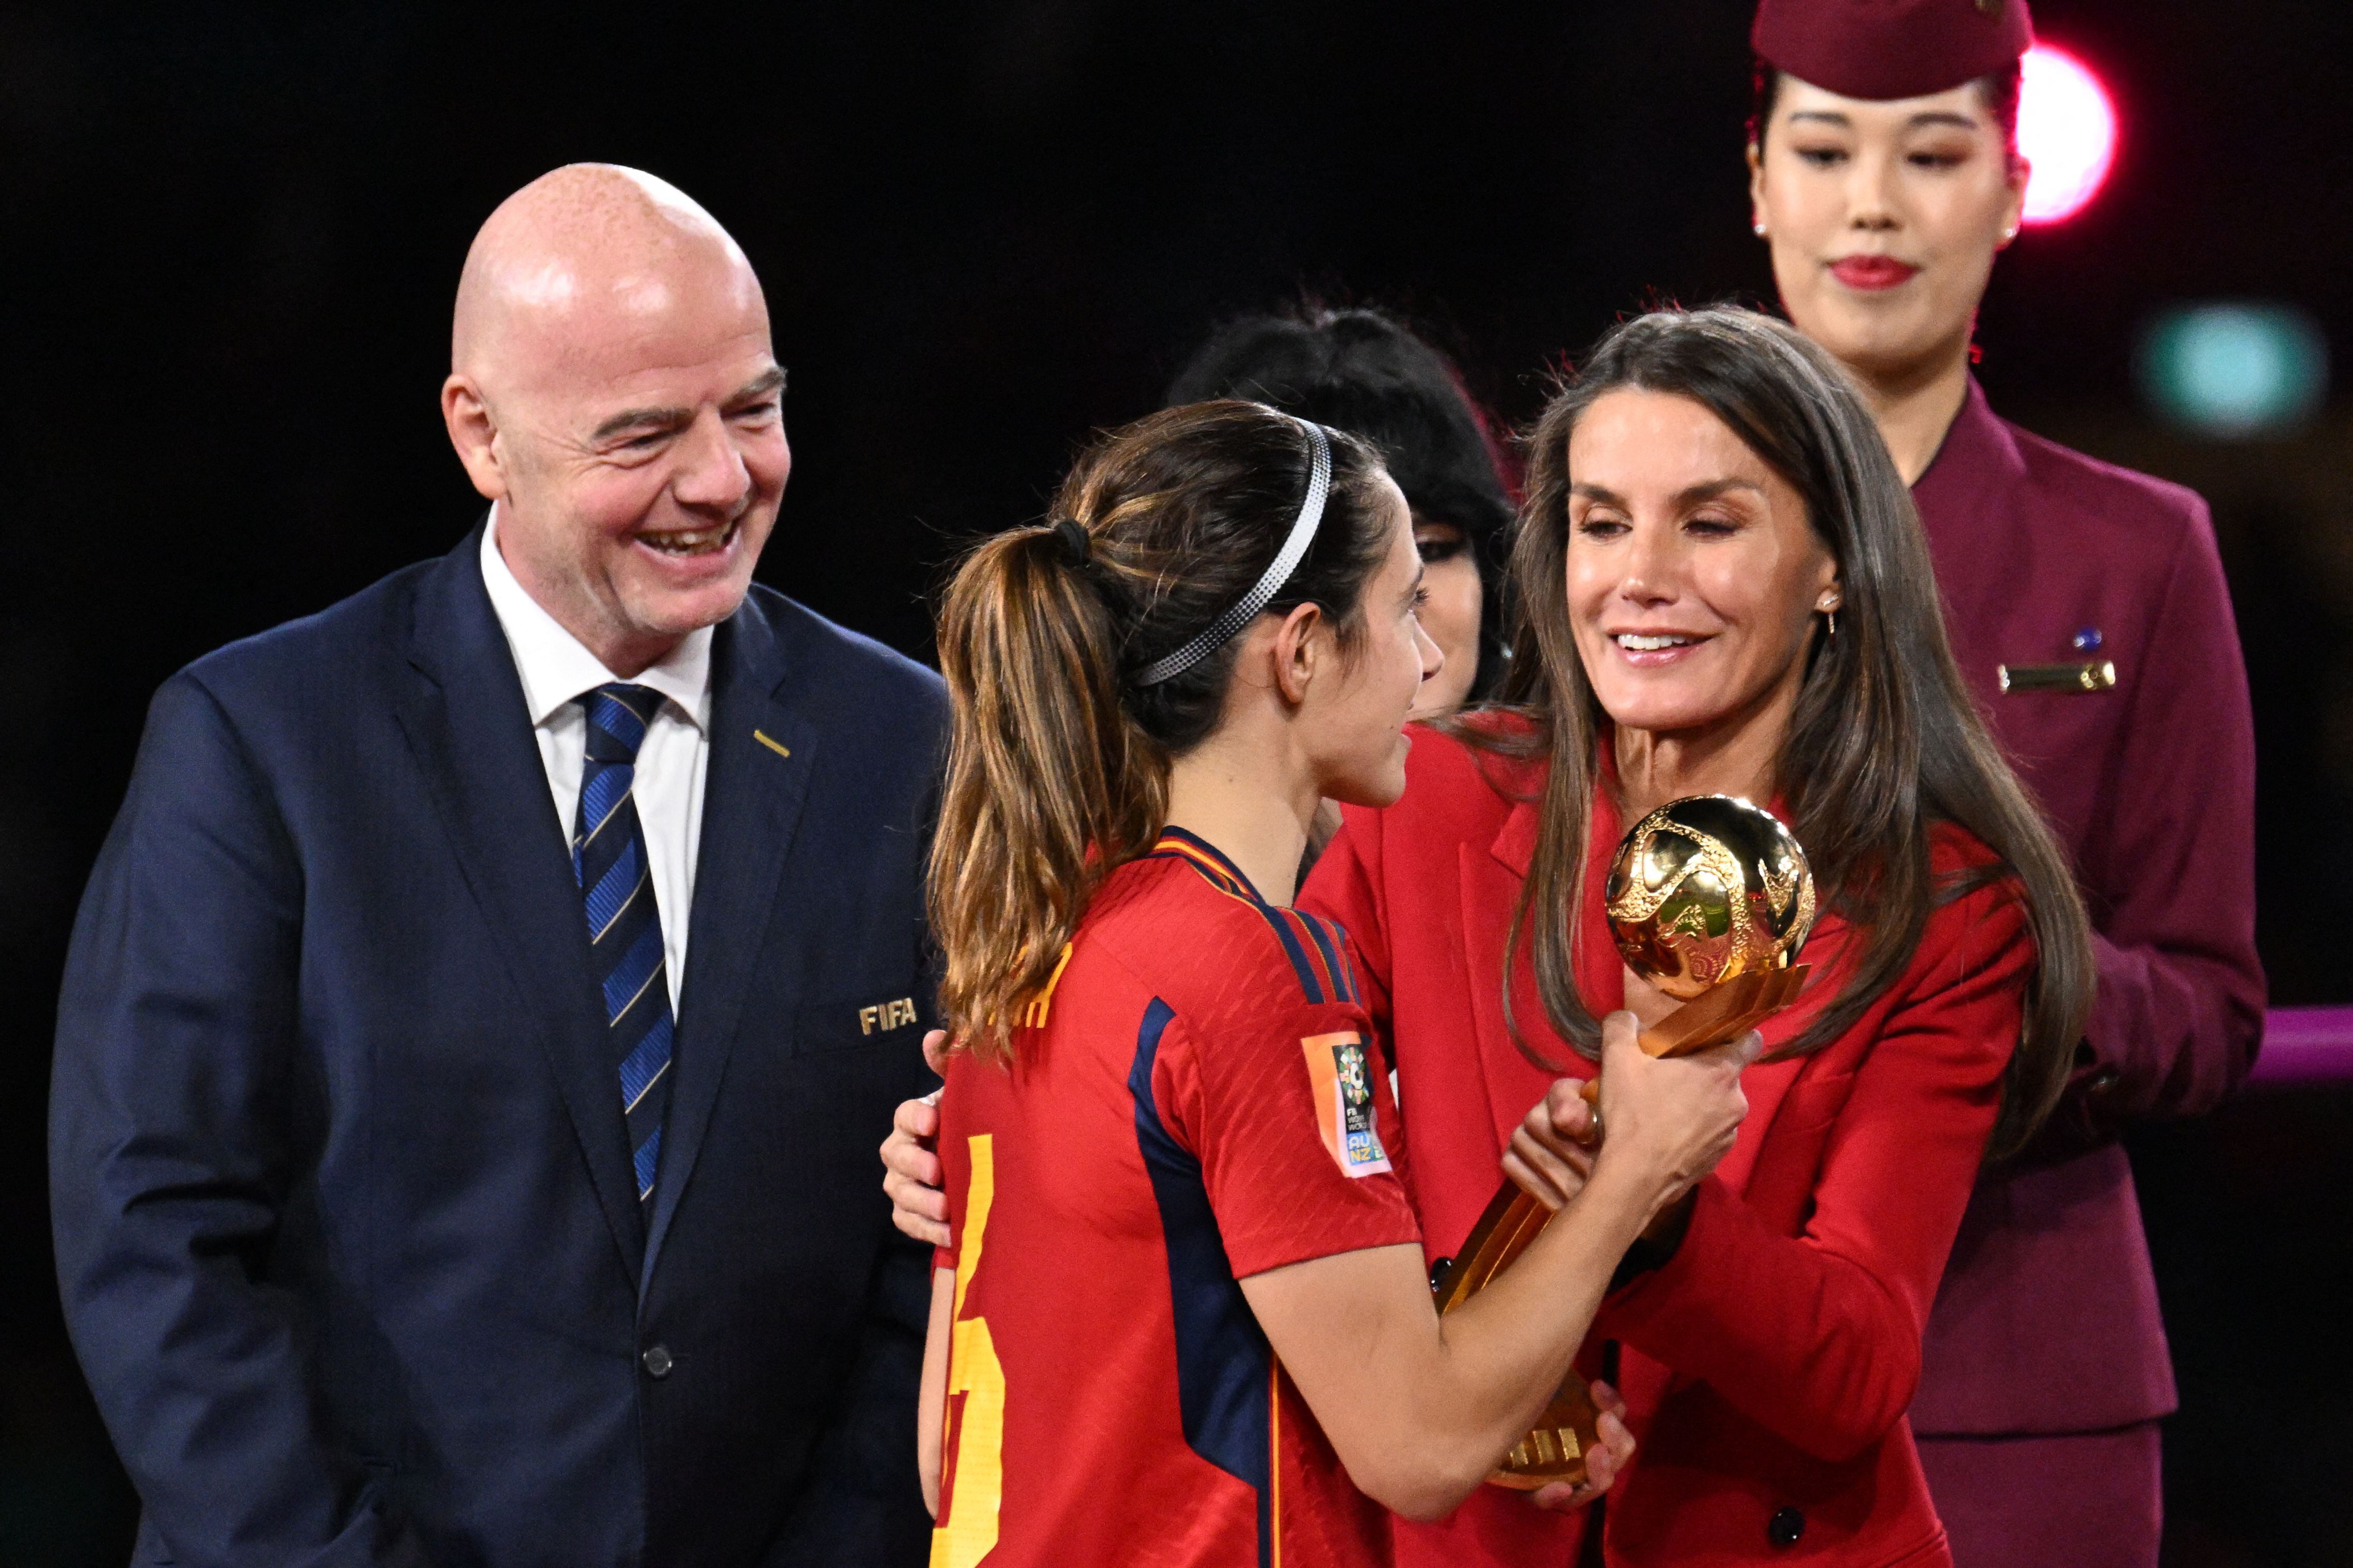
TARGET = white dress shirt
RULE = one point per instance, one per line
(556, 671)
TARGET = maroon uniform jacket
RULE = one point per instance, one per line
(2047, 1321)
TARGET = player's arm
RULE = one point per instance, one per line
(1420, 1408)
(931, 1403)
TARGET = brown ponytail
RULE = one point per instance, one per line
(1058, 761)
(1049, 781)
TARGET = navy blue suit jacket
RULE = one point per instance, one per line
(344, 1223)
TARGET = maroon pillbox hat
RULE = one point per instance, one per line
(1891, 49)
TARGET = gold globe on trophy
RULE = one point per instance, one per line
(1709, 899)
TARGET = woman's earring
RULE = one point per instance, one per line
(1831, 616)
(1759, 226)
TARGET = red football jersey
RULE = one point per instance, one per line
(1198, 1098)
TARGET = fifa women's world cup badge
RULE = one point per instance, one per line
(1336, 1071)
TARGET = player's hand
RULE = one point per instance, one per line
(935, 1052)
(1604, 1463)
(912, 1174)
(1551, 1152)
(1668, 1121)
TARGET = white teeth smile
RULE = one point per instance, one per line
(690, 541)
(1634, 642)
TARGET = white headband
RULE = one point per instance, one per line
(1270, 583)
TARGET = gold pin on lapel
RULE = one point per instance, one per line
(2091, 675)
(776, 746)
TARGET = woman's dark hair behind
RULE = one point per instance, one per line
(1057, 760)
(1884, 741)
(1362, 370)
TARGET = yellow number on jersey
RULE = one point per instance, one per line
(967, 1528)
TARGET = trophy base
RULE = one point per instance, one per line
(1554, 1450)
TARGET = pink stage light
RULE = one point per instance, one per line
(2067, 131)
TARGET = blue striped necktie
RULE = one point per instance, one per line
(624, 933)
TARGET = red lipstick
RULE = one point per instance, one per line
(1873, 271)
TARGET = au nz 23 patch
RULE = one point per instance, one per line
(1338, 1073)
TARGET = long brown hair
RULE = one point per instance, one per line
(1058, 757)
(1884, 741)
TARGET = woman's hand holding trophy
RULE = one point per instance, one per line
(1709, 900)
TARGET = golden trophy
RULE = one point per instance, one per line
(1709, 899)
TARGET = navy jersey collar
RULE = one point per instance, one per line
(1177, 844)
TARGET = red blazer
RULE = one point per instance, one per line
(1768, 1365)
(2048, 1321)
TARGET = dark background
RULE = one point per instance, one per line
(232, 233)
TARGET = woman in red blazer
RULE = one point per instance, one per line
(1725, 589)
(1768, 1365)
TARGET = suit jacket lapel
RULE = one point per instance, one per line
(763, 747)
(464, 715)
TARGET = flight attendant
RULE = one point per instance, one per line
(1183, 1317)
(2087, 608)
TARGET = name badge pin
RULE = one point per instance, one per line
(2091, 675)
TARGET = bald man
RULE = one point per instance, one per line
(482, 1015)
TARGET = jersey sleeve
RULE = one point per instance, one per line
(1287, 1107)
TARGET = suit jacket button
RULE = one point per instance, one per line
(657, 1363)
(1784, 1528)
